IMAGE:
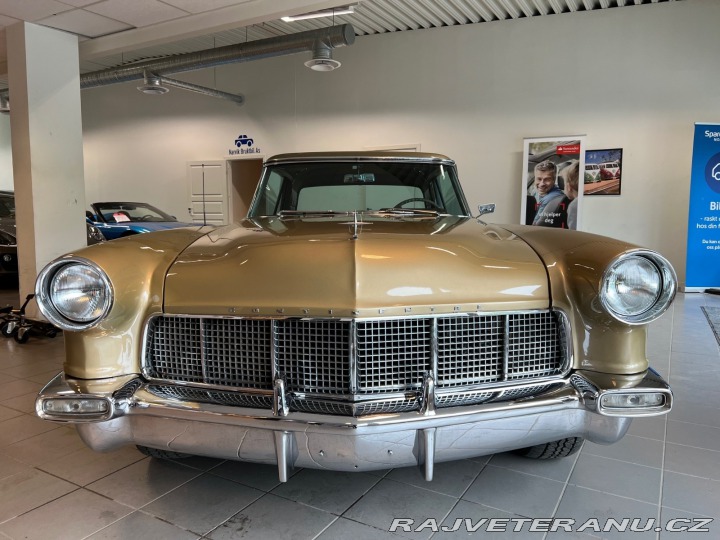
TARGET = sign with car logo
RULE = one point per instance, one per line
(244, 144)
(703, 244)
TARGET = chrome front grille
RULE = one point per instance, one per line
(472, 357)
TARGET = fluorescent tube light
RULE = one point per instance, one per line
(347, 10)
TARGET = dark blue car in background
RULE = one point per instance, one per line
(119, 219)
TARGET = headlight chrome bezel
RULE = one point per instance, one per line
(667, 291)
(44, 298)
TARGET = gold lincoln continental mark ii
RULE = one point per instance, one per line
(359, 318)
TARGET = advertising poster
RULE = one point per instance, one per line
(552, 171)
(703, 245)
(603, 171)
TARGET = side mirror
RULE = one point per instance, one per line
(485, 209)
(89, 215)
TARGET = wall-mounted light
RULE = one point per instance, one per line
(343, 10)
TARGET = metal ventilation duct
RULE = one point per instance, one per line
(312, 40)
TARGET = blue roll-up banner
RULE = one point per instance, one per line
(703, 245)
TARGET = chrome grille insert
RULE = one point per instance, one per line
(313, 355)
(534, 345)
(392, 355)
(386, 406)
(474, 359)
(470, 350)
(211, 396)
(470, 398)
(237, 352)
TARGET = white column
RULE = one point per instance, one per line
(47, 152)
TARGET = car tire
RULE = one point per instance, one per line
(161, 454)
(552, 450)
(6, 330)
(22, 335)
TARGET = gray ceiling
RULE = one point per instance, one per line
(116, 32)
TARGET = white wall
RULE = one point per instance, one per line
(6, 170)
(635, 78)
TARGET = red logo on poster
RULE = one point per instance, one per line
(568, 149)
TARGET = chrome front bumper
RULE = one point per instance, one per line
(351, 444)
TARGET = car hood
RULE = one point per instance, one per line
(152, 226)
(337, 267)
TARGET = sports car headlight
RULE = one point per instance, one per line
(638, 287)
(73, 293)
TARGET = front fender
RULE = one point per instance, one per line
(575, 262)
(136, 267)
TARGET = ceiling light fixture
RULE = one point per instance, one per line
(153, 86)
(322, 59)
(343, 10)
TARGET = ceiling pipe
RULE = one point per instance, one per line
(310, 41)
(236, 98)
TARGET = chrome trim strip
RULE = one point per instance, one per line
(489, 387)
(203, 353)
(431, 159)
(506, 349)
(274, 351)
(352, 360)
(569, 347)
(434, 348)
(405, 315)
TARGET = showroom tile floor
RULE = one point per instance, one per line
(52, 487)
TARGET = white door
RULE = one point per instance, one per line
(208, 192)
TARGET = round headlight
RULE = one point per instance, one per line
(638, 287)
(73, 294)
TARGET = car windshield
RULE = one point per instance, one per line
(123, 212)
(314, 188)
(7, 206)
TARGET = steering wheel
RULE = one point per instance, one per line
(146, 217)
(432, 203)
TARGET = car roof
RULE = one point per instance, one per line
(367, 155)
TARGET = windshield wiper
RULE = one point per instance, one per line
(417, 212)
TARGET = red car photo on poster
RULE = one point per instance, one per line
(609, 170)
